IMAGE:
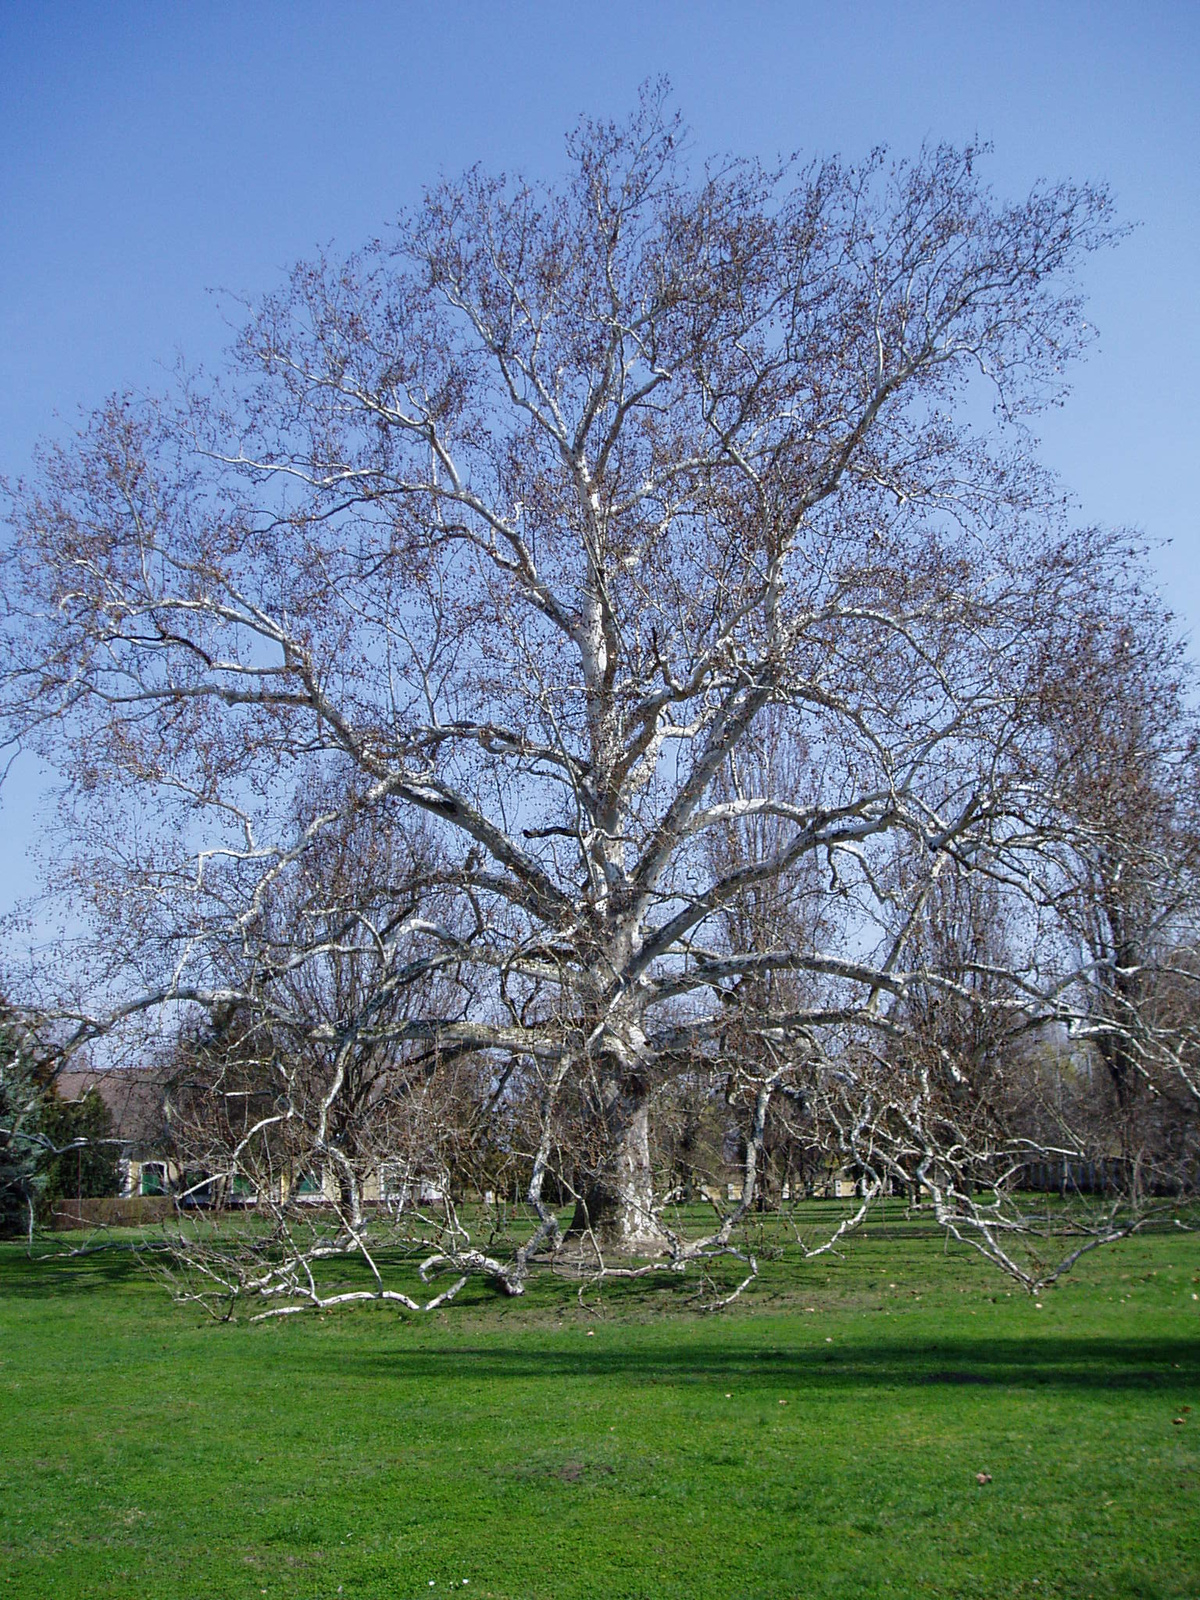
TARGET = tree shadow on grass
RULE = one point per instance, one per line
(1063, 1363)
(49, 1272)
(662, 1349)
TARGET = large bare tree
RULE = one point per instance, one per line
(521, 526)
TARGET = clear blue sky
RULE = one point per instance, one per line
(152, 152)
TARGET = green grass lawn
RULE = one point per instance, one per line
(820, 1439)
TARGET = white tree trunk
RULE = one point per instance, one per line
(616, 1211)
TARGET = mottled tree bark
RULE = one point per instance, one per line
(615, 1211)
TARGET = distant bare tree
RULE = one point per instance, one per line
(1127, 746)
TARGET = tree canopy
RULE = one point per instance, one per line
(576, 647)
